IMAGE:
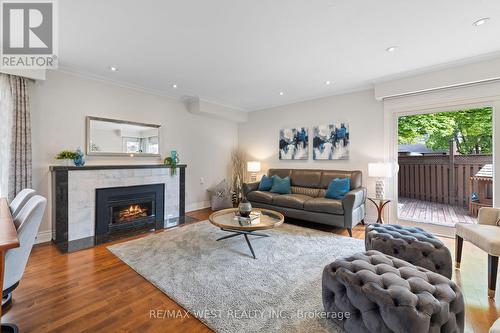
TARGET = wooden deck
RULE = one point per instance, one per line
(433, 212)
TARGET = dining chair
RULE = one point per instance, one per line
(20, 200)
(27, 224)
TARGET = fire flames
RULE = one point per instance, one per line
(132, 212)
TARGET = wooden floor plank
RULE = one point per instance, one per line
(93, 291)
(434, 212)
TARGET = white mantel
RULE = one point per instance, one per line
(81, 188)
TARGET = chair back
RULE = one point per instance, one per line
(20, 200)
(28, 221)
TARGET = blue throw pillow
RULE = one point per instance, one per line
(338, 188)
(281, 185)
(265, 183)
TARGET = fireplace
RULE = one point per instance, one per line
(122, 210)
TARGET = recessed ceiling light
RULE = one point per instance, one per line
(281, 93)
(328, 82)
(391, 48)
(481, 21)
(174, 86)
(113, 69)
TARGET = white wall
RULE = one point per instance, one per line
(59, 106)
(259, 136)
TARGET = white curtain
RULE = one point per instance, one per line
(5, 132)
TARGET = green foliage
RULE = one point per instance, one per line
(172, 163)
(66, 154)
(471, 130)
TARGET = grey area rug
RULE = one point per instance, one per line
(223, 286)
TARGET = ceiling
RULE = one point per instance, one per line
(243, 53)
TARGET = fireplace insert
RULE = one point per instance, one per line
(120, 210)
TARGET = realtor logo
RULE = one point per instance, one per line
(28, 34)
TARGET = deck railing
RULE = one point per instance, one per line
(439, 178)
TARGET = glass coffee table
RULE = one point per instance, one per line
(227, 220)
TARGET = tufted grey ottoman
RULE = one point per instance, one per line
(386, 294)
(411, 244)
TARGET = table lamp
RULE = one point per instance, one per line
(380, 171)
(253, 167)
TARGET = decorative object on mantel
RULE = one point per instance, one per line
(67, 156)
(79, 159)
(172, 161)
(238, 159)
(253, 167)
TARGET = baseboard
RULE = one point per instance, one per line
(43, 237)
(197, 205)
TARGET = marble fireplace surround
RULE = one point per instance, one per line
(74, 192)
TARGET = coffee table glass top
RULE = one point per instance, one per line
(227, 219)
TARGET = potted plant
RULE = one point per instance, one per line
(67, 157)
(172, 161)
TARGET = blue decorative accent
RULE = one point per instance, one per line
(80, 159)
(281, 185)
(338, 188)
(266, 183)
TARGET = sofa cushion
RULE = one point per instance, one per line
(306, 178)
(324, 205)
(312, 192)
(338, 188)
(328, 175)
(261, 196)
(265, 183)
(279, 172)
(281, 185)
(296, 201)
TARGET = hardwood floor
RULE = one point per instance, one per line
(93, 291)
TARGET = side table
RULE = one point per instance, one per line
(380, 204)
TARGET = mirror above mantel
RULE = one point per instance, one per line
(112, 137)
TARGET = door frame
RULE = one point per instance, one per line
(445, 100)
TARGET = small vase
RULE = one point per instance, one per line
(80, 159)
(245, 208)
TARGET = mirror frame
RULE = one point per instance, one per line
(117, 121)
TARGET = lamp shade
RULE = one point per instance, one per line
(253, 166)
(380, 170)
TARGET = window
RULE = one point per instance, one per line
(131, 145)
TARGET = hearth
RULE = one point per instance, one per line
(121, 210)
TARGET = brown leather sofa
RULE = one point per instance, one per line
(307, 201)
